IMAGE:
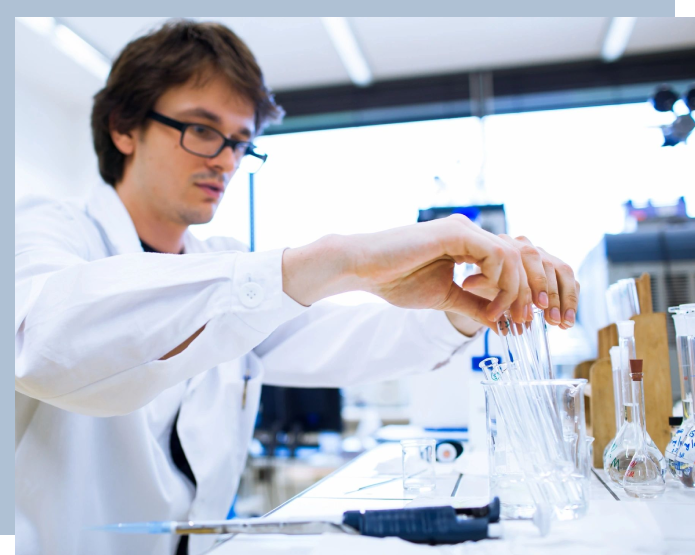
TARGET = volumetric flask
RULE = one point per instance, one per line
(418, 457)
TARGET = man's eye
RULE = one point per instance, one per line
(203, 132)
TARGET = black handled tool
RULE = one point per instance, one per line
(432, 525)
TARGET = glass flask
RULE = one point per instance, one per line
(680, 452)
(626, 440)
(643, 478)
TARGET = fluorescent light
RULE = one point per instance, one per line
(349, 51)
(71, 44)
(40, 25)
(617, 37)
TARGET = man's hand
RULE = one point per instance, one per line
(552, 283)
(413, 267)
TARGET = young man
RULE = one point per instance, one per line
(140, 350)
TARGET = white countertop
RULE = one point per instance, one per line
(663, 525)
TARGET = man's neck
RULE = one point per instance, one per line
(162, 235)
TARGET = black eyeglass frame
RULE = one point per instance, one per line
(232, 143)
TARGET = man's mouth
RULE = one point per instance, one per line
(215, 190)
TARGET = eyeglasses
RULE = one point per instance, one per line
(208, 142)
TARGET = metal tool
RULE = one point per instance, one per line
(432, 525)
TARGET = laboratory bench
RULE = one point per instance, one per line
(614, 523)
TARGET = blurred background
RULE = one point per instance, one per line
(571, 131)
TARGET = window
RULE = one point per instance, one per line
(562, 176)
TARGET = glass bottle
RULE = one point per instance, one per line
(643, 478)
(680, 452)
(623, 447)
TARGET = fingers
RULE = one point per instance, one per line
(533, 283)
(522, 272)
(569, 295)
(535, 272)
(473, 306)
(566, 299)
(552, 313)
(498, 261)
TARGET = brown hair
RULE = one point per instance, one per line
(172, 55)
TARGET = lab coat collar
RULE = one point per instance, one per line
(108, 211)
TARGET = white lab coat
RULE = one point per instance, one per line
(95, 405)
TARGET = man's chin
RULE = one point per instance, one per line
(199, 217)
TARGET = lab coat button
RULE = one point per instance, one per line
(251, 295)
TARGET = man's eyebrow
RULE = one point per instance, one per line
(213, 118)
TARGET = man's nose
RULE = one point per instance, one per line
(225, 162)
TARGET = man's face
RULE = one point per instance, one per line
(174, 185)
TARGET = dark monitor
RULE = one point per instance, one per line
(299, 410)
(490, 217)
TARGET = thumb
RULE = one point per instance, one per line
(468, 304)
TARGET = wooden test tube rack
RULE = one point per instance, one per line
(651, 343)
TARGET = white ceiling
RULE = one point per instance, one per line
(297, 52)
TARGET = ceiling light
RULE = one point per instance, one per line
(349, 51)
(617, 37)
(71, 44)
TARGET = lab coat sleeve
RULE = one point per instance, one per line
(89, 334)
(337, 346)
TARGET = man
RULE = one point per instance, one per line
(140, 350)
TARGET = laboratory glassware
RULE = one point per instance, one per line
(680, 451)
(617, 396)
(623, 446)
(622, 300)
(527, 345)
(643, 478)
(418, 457)
(541, 424)
(506, 477)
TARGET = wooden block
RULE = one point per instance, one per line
(581, 371)
(651, 343)
(607, 338)
(602, 407)
(644, 293)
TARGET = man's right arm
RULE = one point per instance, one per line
(89, 334)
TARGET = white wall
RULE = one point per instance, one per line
(53, 148)
(53, 100)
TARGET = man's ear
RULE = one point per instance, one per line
(125, 142)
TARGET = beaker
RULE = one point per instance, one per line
(538, 446)
(418, 456)
(506, 477)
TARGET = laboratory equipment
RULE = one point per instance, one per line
(448, 451)
(643, 478)
(430, 525)
(418, 457)
(680, 452)
(537, 439)
(538, 449)
(506, 477)
(527, 345)
(626, 440)
(617, 396)
(622, 300)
